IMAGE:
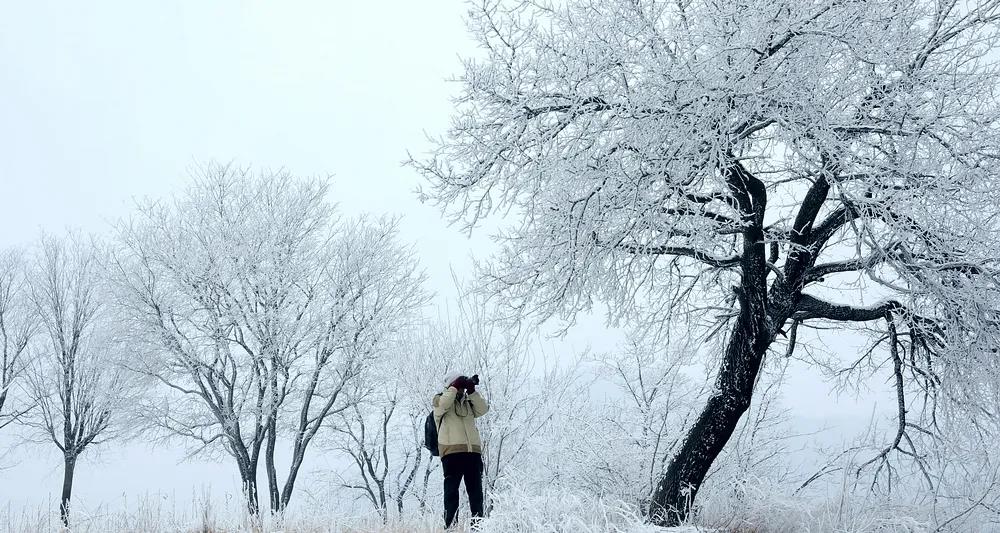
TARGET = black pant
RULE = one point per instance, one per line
(457, 466)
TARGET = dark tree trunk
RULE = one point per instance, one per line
(705, 440)
(250, 488)
(272, 473)
(248, 477)
(298, 456)
(69, 466)
(748, 342)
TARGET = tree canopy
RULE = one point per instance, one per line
(780, 163)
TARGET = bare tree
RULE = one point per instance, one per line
(374, 291)
(617, 441)
(16, 330)
(770, 165)
(74, 378)
(172, 275)
(644, 422)
(382, 435)
(261, 312)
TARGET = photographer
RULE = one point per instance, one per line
(459, 445)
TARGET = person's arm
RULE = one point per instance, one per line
(444, 402)
(479, 404)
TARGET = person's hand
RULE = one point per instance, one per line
(470, 385)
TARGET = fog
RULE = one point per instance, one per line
(104, 102)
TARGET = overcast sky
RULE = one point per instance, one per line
(104, 101)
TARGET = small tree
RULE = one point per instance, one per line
(782, 164)
(382, 435)
(17, 327)
(75, 379)
(653, 405)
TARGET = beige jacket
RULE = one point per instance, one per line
(456, 421)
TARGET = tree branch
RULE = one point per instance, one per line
(683, 251)
(811, 307)
(817, 272)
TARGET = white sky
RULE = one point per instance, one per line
(104, 101)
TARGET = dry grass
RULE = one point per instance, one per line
(746, 509)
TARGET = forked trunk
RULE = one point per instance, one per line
(250, 489)
(247, 462)
(672, 498)
(248, 478)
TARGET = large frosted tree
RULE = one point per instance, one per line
(259, 313)
(781, 163)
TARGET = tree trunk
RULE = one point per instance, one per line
(272, 473)
(248, 477)
(426, 484)
(250, 489)
(69, 466)
(293, 472)
(748, 342)
(734, 385)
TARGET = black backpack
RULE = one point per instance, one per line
(431, 434)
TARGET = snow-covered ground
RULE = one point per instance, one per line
(762, 512)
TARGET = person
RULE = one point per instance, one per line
(459, 445)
